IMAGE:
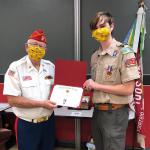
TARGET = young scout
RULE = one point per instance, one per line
(113, 73)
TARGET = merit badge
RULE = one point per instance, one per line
(26, 78)
(11, 73)
(130, 62)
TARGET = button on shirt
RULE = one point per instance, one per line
(22, 79)
(111, 67)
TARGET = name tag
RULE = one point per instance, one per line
(26, 78)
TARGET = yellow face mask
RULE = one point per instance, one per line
(36, 53)
(101, 34)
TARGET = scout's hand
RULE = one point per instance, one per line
(49, 104)
(89, 84)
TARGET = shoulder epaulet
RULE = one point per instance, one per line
(22, 60)
(126, 49)
(120, 45)
(48, 62)
(18, 62)
(95, 51)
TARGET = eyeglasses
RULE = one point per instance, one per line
(37, 44)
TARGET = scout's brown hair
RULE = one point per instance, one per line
(95, 19)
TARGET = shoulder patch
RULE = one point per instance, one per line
(126, 49)
(11, 72)
(130, 62)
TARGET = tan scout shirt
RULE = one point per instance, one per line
(111, 67)
(22, 79)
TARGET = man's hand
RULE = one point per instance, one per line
(89, 84)
(49, 104)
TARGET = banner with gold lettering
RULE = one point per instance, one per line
(135, 38)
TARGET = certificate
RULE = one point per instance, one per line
(69, 96)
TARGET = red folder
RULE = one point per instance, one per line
(70, 72)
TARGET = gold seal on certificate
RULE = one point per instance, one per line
(69, 96)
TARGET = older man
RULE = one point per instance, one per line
(27, 85)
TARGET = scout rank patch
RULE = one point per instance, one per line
(130, 62)
(11, 73)
(115, 53)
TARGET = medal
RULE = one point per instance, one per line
(109, 72)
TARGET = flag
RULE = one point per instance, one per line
(135, 38)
